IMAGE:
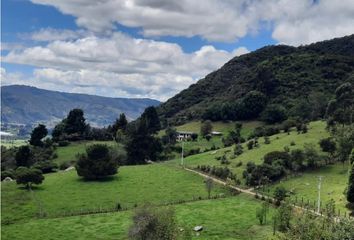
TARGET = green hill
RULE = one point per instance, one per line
(286, 75)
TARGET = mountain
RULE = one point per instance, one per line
(28, 105)
(286, 75)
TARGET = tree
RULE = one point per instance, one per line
(23, 156)
(151, 223)
(28, 176)
(261, 213)
(171, 135)
(350, 191)
(274, 113)
(208, 137)
(206, 128)
(284, 216)
(341, 108)
(209, 185)
(37, 135)
(328, 145)
(312, 156)
(142, 146)
(96, 163)
(344, 136)
(151, 119)
(120, 124)
(280, 194)
(75, 122)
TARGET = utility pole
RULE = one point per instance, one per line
(182, 160)
(319, 194)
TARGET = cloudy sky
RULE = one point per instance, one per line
(150, 48)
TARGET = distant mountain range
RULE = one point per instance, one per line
(28, 105)
(285, 74)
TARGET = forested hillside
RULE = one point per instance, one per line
(301, 80)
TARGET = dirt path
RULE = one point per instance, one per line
(248, 191)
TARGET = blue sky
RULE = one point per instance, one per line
(150, 48)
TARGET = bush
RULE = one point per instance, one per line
(64, 165)
(250, 145)
(28, 176)
(63, 143)
(8, 173)
(98, 162)
(152, 223)
(46, 166)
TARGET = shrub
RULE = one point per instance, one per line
(266, 140)
(46, 166)
(28, 176)
(64, 165)
(96, 163)
(250, 145)
(8, 173)
(152, 223)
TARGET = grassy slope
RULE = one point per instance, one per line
(68, 153)
(229, 218)
(333, 185)
(335, 177)
(278, 142)
(65, 191)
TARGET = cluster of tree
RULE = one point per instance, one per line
(234, 136)
(220, 172)
(277, 164)
(248, 107)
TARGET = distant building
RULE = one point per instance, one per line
(184, 135)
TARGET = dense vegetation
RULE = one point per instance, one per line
(301, 80)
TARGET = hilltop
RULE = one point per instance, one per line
(286, 75)
(26, 105)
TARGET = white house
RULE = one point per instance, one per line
(181, 135)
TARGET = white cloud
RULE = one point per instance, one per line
(120, 65)
(51, 34)
(294, 22)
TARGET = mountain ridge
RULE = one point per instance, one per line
(293, 72)
(23, 104)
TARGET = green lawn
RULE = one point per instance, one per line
(68, 153)
(65, 191)
(334, 181)
(227, 218)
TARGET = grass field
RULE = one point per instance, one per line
(13, 143)
(334, 181)
(65, 191)
(227, 218)
(68, 153)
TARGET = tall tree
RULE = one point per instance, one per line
(151, 119)
(142, 145)
(75, 122)
(37, 135)
(120, 123)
